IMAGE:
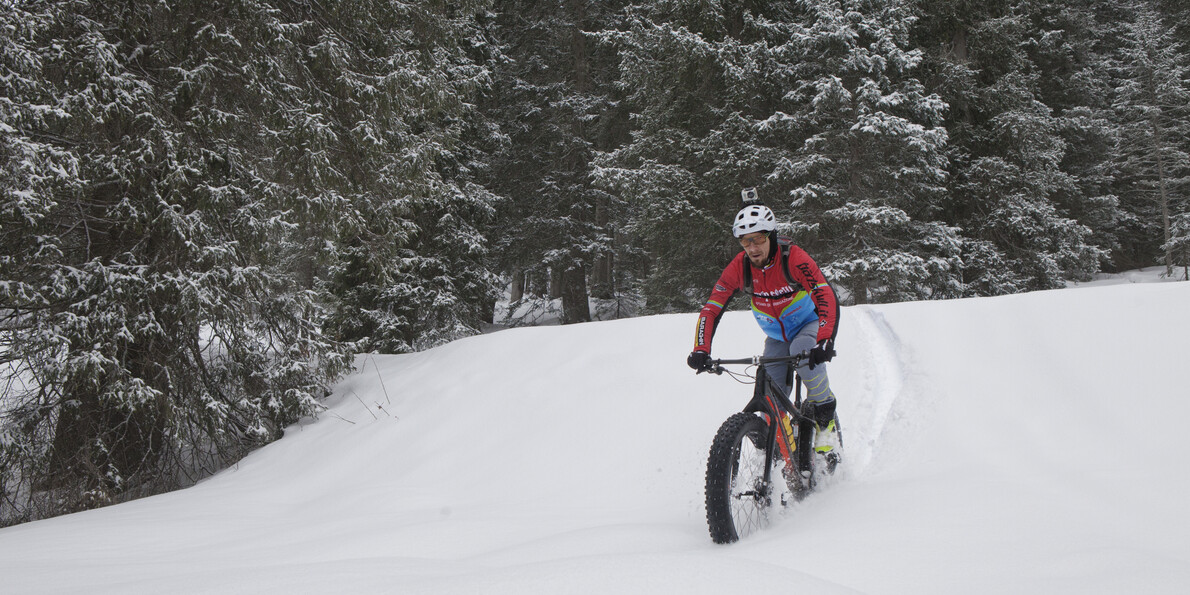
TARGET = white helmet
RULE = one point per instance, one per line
(753, 218)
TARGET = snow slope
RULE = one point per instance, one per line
(1022, 444)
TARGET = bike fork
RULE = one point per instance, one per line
(776, 448)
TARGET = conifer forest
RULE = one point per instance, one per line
(208, 209)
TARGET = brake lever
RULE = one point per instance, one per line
(715, 369)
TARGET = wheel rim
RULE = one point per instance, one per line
(750, 496)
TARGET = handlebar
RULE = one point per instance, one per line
(716, 365)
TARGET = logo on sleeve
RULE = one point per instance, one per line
(719, 287)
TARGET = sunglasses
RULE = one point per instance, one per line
(754, 240)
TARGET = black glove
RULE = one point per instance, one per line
(699, 360)
(822, 352)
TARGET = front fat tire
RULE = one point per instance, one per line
(738, 499)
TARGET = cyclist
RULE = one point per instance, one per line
(795, 306)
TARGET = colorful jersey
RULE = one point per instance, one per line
(781, 310)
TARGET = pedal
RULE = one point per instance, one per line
(832, 462)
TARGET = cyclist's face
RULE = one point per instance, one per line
(757, 247)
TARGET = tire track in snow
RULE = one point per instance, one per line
(880, 364)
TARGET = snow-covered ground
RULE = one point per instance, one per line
(1022, 444)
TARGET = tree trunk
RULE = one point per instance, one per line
(537, 284)
(100, 447)
(859, 289)
(958, 46)
(602, 286)
(1164, 195)
(518, 287)
(575, 307)
(556, 282)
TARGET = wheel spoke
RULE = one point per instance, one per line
(750, 497)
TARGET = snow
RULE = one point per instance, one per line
(1029, 443)
(1148, 275)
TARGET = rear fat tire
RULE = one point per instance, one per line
(737, 457)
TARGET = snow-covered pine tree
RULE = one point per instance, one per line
(870, 173)
(154, 330)
(1178, 246)
(1177, 14)
(1069, 47)
(815, 100)
(1006, 153)
(700, 78)
(1152, 103)
(36, 171)
(384, 145)
(554, 99)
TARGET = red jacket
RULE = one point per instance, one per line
(781, 310)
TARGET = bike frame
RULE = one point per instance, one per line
(770, 399)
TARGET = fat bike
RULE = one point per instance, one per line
(762, 456)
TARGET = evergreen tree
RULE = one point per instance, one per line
(187, 188)
(870, 174)
(390, 163)
(150, 336)
(700, 78)
(553, 95)
(1006, 154)
(1177, 14)
(1178, 246)
(1068, 48)
(811, 100)
(1151, 102)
